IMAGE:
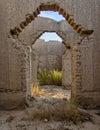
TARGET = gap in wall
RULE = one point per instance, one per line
(49, 50)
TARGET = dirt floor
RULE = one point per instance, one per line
(46, 101)
(53, 91)
(17, 120)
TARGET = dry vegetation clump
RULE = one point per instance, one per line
(35, 90)
(46, 77)
(59, 112)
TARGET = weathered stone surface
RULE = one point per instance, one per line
(12, 100)
(85, 59)
(66, 69)
(49, 54)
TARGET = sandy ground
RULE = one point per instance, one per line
(54, 95)
(53, 92)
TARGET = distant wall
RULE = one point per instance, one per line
(49, 54)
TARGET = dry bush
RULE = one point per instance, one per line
(59, 112)
(43, 77)
(56, 77)
(46, 77)
(32, 114)
(35, 90)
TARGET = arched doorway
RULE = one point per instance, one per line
(54, 70)
(17, 30)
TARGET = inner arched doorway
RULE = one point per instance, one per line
(31, 73)
(46, 69)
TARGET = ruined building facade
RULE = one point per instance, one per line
(19, 29)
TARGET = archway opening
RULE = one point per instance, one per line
(31, 16)
(49, 52)
(51, 14)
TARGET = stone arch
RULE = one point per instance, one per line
(27, 50)
(66, 55)
(41, 32)
(33, 70)
(53, 7)
(35, 30)
(29, 64)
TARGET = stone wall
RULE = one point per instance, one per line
(67, 68)
(49, 54)
(85, 12)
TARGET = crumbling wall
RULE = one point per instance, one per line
(86, 13)
(67, 69)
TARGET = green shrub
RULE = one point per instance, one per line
(56, 77)
(43, 77)
(46, 77)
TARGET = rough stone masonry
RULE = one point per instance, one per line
(16, 52)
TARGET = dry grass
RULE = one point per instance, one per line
(35, 90)
(46, 77)
(59, 112)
